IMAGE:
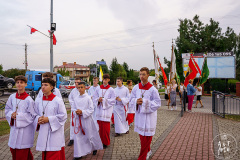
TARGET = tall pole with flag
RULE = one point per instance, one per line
(173, 65)
(51, 38)
(155, 64)
(100, 75)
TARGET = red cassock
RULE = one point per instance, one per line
(145, 146)
(104, 132)
(112, 118)
(54, 155)
(130, 118)
(21, 154)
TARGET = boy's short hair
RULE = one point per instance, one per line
(50, 81)
(144, 69)
(21, 77)
(105, 76)
(190, 80)
(129, 81)
(77, 78)
(47, 74)
(154, 81)
(120, 78)
(81, 83)
(96, 78)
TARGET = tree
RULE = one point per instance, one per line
(1, 69)
(63, 72)
(237, 53)
(114, 69)
(122, 73)
(12, 73)
(126, 68)
(196, 37)
(152, 72)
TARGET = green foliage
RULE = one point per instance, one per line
(122, 73)
(12, 73)
(152, 72)
(1, 69)
(196, 37)
(114, 69)
(63, 72)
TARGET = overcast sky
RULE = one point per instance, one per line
(91, 30)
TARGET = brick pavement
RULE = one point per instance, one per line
(189, 137)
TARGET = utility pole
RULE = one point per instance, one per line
(26, 63)
(51, 38)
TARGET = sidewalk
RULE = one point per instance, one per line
(187, 137)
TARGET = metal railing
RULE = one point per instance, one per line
(225, 104)
(2, 108)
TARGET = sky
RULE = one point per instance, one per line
(91, 30)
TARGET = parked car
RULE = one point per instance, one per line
(67, 86)
(6, 82)
(35, 77)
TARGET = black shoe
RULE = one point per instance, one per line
(70, 143)
(77, 158)
(127, 132)
(94, 152)
(104, 146)
(117, 134)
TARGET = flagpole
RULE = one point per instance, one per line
(40, 32)
(170, 79)
(51, 38)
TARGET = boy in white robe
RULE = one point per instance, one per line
(120, 108)
(104, 98)
(86, 136)
(91, 92)
(74, 93)
(51, 117)
(20, 115)
(145, 100)
(55, 91)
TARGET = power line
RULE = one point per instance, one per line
(135, 45)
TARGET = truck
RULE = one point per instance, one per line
(35, 77)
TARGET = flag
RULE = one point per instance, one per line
(101, 74)
(156, 65)
(178, 79)
(54, 38)
(192, 71)
(205, 72)
(173, 66)
(33, 30)
(197, 67)
(163, 73)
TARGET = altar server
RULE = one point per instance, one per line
(145, 100)
(51, 117)
(104, 98)
(20, 115)
(86, 136)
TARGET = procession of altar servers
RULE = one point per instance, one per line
(84, 129)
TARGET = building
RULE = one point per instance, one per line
(75, 70)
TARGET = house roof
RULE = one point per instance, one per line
(71, 65)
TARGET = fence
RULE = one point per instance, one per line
(225, 104)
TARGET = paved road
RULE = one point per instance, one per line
(187, 137)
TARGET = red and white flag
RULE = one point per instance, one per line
(54, 39)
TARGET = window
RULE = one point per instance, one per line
(38, 77)
(30, 77)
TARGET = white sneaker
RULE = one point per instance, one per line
(175, 107)
(171, 109)
(149, 154)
